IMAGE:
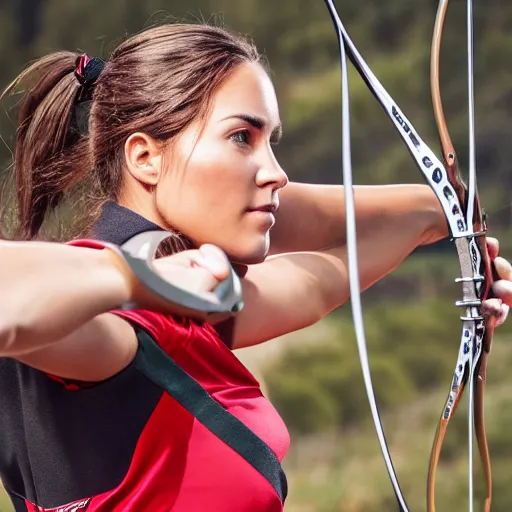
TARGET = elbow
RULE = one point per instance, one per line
(324, 303)
(11, 330)
(8, 330)
(333, 295)
(329, 304)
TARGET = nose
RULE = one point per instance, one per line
(271, 173)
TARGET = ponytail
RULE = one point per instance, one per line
(157, 82)
(49, 158)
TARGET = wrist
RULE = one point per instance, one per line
(134, 293)
(112, 273)
(436, 226)
(117, 275)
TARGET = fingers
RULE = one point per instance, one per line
(493, 246)
(502, 315)
(503, 290)
(196, 270)
(495, 308)
(503, 268)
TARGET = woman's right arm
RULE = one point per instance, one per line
(49, 290)
(55, 299)
(53, 304)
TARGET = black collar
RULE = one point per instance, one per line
(118, 224)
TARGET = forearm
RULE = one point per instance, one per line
(294, 290)
(312, 217)
(49, 290)
(380, 249)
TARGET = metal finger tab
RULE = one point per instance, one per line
(139, 253)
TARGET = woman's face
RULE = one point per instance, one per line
(222, 179)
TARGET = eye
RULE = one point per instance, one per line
(241, 138)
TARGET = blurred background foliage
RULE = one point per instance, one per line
(313, 377)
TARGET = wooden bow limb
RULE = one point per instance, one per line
(483, 447)
(436, 448)
(449, 155)
(442, 125)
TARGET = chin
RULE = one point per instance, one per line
(249, 254)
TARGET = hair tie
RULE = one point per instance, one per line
(87, 72)
(88, 69)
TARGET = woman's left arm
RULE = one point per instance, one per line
(312, 217)
(292, 290)
(391, 221)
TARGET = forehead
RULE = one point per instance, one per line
(247, 90)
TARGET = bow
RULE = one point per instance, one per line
(477, 334)
(467, 226)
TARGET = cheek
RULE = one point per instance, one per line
(219, 178)
(206, 200)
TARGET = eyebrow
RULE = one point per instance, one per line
(259, 124)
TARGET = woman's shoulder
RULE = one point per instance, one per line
(173, 332)
(201, 349)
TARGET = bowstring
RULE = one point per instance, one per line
(353, 270)
(469, 222)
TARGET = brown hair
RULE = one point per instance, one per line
(156, 82)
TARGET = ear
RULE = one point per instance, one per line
(143, 157)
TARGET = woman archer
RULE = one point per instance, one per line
(174, 132)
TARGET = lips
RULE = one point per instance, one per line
(267, 208)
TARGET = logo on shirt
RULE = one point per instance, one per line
(77, 506)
